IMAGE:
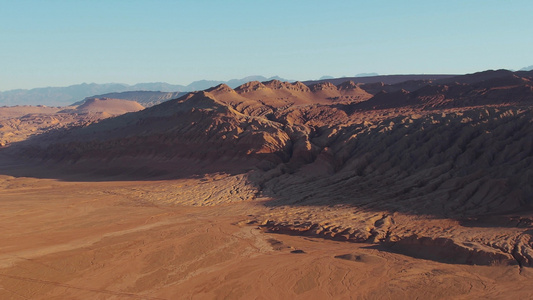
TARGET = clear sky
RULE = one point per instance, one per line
(65, 42)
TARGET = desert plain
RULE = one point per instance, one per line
(275, 190)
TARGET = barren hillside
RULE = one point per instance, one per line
(430, 172)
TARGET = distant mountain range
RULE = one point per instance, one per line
(64, 96)
(157, 92)
(356, 75)
(386, 79)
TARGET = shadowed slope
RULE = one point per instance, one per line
(194, 127)
(495, 88)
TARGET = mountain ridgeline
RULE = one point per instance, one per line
(66, 96)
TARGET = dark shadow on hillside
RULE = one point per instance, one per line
(444, 251)
(444, 166)
(144, 161)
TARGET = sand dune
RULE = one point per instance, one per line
(109, 106)
(144, 98)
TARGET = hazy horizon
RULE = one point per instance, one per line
(58, 43)
(216, 80)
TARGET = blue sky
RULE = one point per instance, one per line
(65, 42)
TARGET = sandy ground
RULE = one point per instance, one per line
(105, 240)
